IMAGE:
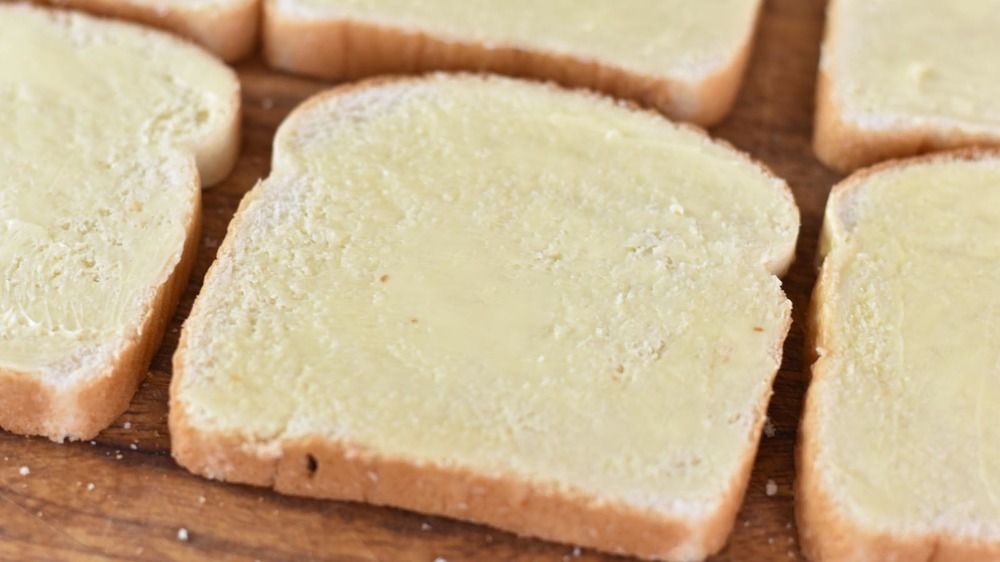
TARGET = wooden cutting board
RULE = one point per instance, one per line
(121, 497)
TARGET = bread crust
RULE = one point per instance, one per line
(846, 146)
(315, 466)
(826, 533)
(228, 30)
(345, 49)
(30, 407)
(322, 468)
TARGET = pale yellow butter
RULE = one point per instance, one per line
(501, 276)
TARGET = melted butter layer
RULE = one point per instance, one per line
(503, 276)
(907, 62)
(690, 40)
(909, 425)
(96, 181)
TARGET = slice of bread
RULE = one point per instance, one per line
(899, 453)
(684, 58)
(228, 28)
(100, 156)
(904, 77)
(499, 301)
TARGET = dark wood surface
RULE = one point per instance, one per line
(121, 497)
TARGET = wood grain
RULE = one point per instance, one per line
(121, 497)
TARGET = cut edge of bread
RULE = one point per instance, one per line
(227, 28)
(845, 144)
(319, 467)
(30, 406)
(826, 533)
(348, 49)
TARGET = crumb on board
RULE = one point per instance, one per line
(182, 535)
(769, 429)
(127, 425)
(440, 559)
(25, 471)
(576, 552)
(425, 526)
(771, 488)
(90, 486)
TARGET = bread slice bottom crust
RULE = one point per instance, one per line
(845, 146)
(321, 468)
(343, 49)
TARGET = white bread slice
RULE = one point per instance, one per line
(499, 301)
(684, 58)
(228, 28)
(105, 131)
(904, 77)
(899, 450)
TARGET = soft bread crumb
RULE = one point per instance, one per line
(182, 534)
(771, 488)
(25, 471)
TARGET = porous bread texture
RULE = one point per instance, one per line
(897, 456)
(900, 78)
(227, 28)
(498, 301)
(686, 59)
(100, 158)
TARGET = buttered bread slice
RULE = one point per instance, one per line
(105, 130)
(899, 455)
(902, 77)
(684, 58)
(499, 301)
(227, 28)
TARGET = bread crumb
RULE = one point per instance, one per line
(201, 500)
(746, 522)
(440, 559)
(127, 425)
(576, 552)
(25, 471)
(134, 447)
(182, 534)
(119, 456)
(771, 488)
(266, 103)
(770, 540)
(90, 486)
(769, 429)
(425, 527)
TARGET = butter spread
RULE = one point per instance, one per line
(504, 276)
(97, 138)
(915, 62)
(688, 40)
(908, 428)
